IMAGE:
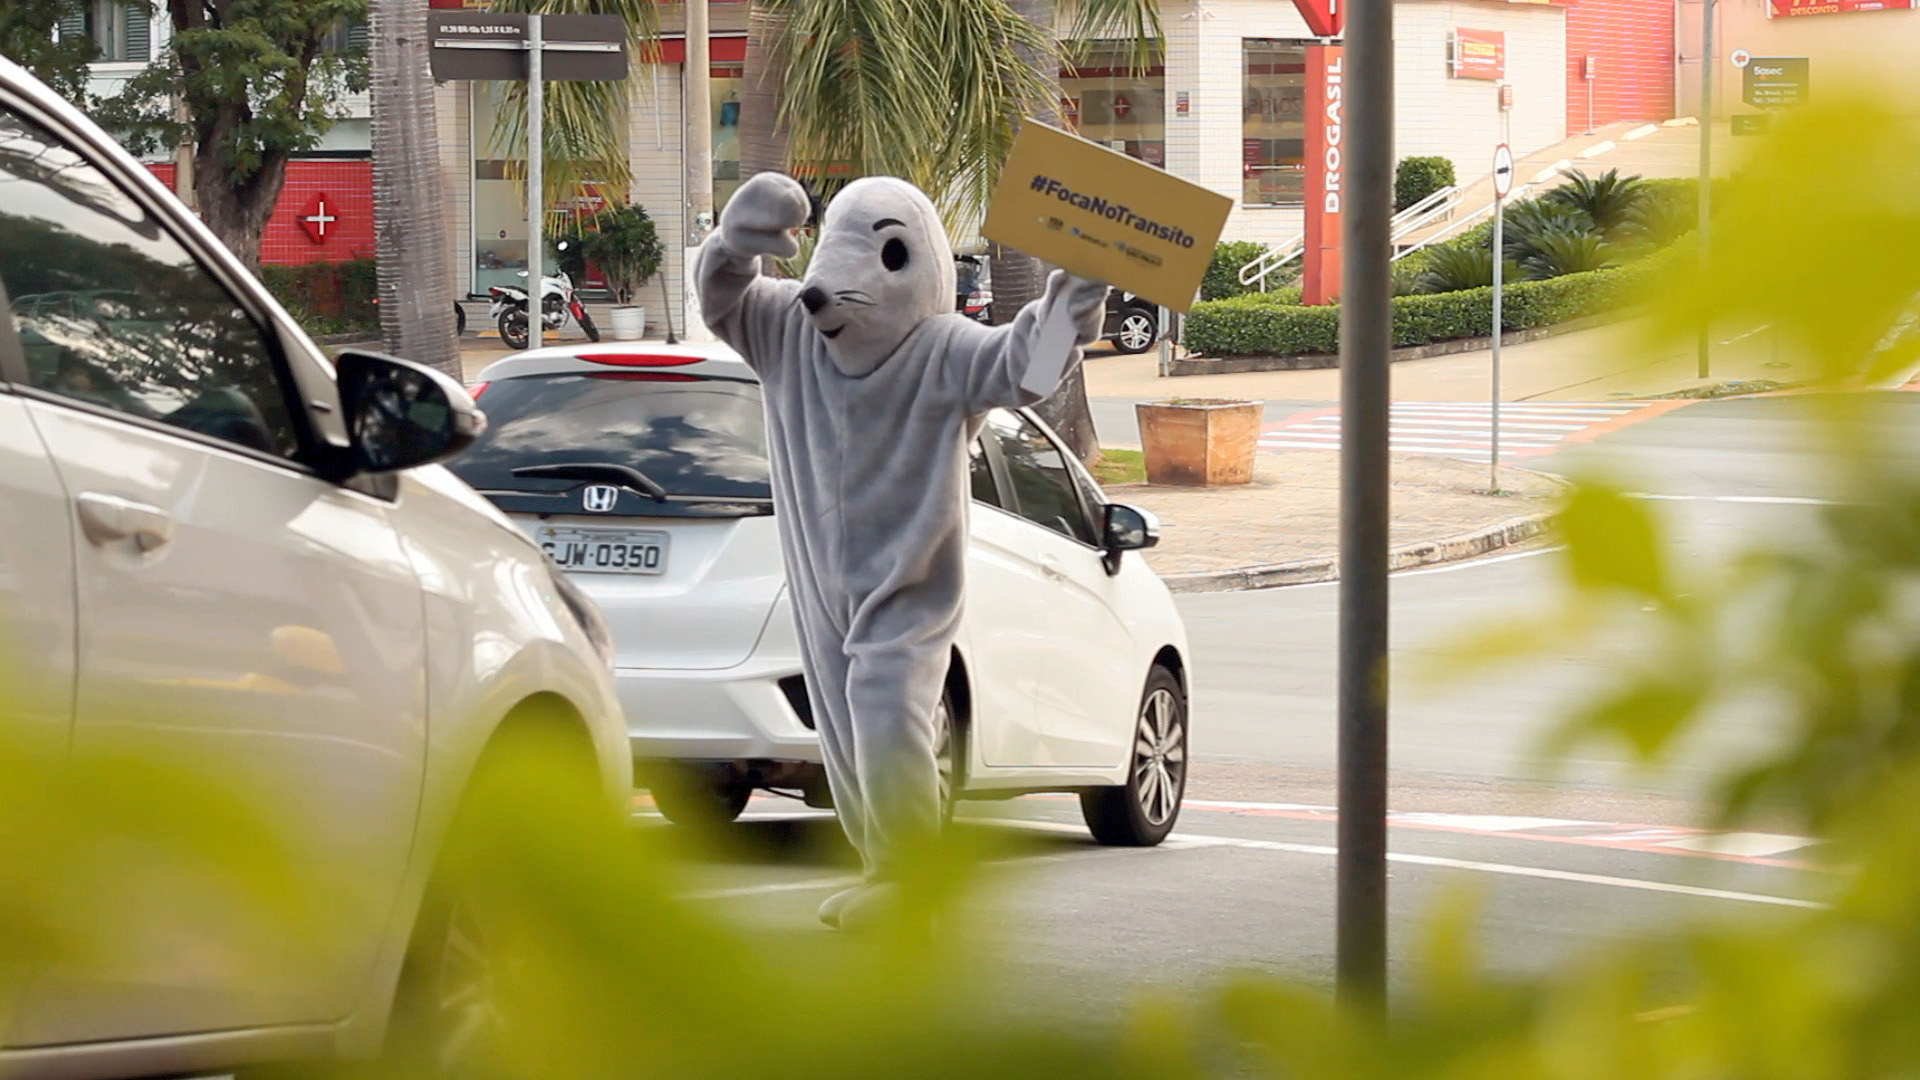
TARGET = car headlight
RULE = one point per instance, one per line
(585, 612)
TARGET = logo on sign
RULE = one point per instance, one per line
(599, 498)
(1332, 129)
(319, 218)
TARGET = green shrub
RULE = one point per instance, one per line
(1608, 200)
(327, 298)
(1451, 269)
(1418, 177)
(1529, 220)
(1559, 252)
(1256, 326)
(1223, 271)
(626, 248)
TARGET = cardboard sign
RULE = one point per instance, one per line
(1105, 216)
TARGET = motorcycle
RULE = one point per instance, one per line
(557, 301)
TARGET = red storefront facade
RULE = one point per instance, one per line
(1620, 62)
(325, 212)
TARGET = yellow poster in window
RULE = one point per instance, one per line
(1105, 216)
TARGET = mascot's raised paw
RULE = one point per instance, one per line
(758, 218)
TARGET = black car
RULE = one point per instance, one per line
(1133, 322)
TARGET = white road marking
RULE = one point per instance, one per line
(807, 885)
(1641, 132)
(1486, 822)
(1598, 148)
(1760, 500)
(1750, 844)
(1456, 429)
(1509, 870)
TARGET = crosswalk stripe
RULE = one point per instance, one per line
(1459, 429)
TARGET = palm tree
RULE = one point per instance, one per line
(864, 90)
(414, 269)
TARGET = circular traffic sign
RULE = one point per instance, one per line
(1741, 58)
(1502, 171)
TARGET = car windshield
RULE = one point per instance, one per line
(700, 437)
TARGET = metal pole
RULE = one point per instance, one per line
(1707, 62)
(698, 110)
(536, 220)
(1499, 273)
(1366, 332)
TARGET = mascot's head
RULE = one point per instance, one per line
(881, 267)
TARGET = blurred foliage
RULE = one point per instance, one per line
(327, 298)
(605, 966)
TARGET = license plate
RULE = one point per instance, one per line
(606, 551)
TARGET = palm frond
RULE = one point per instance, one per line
(585, 134)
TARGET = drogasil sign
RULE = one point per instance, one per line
(1330, 132)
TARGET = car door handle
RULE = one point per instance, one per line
(1050, 566)
(106, 518)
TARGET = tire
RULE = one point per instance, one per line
(1139, 330)
(1141, 812)
(513, 328)
(459, 319)
(586, 323)
(694, 799)
(446, 1022)
(949, 755)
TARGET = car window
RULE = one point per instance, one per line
(112, 311)
(694, 435)
(980, 471)
(1043, 486)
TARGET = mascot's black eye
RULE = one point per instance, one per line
(893, 254)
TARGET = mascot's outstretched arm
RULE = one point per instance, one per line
(1024, 361)
(737, 303)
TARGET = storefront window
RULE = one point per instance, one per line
(1273, 122)
(499, 202)
(1104, 99)
(726, 80)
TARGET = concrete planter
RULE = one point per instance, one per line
(1199, 442)
(628, 323)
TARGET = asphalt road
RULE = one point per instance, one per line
(1563, 862)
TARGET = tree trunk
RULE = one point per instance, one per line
(237, 215)
(413, 269)
(1020, 279)
(763, 144)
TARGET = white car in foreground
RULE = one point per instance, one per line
(642, 470)
(221, 551)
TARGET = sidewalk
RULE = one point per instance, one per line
(1283, 528)
(1613, 362)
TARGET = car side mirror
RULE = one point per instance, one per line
(1127, 528)
(400, 414)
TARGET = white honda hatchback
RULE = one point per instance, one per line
(642, 470)
(221, 550)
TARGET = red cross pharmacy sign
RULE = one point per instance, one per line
(319, 218)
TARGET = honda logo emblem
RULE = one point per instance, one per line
(600, 498)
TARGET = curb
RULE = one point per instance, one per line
(1326, 568)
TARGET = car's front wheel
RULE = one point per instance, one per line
(1138, 330)
(949, 755)
(1141, 812)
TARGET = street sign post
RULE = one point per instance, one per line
(530, 48)
(1775, 82)
(1502, 184)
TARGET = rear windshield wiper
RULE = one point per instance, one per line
(603, 471)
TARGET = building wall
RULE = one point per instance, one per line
(1873, 47)
(657, 134)
(348, 187)
(1460, 119)
(1632, 43)
(1434, 113)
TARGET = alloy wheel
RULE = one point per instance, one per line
(1159, 757)
(467, 1025)
(1136, 332)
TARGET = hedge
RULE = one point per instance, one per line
(1418, 177)
(1223, 270)
(1257, 326)
(326, 298)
